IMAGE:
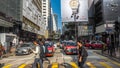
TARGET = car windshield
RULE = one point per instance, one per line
(71, 43)
(92, 42)
(63, 42)
(25, 45)
(100, 42)
(47, 44)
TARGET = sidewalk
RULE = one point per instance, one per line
(115, 57)
(10, 54)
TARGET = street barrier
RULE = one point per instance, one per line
(55, 65)
(7, 66)
(22, 66)
(74, 65)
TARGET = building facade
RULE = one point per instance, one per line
(46, 10)
(46, 14)
(10, 15)
(56, 21)
(106, 13)
(33, 21)
(23, 18)
(77, 16)
(10, 22)
(91, 25)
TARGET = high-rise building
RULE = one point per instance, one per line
(22, 17)
(106, 13)
(10, 21)
(56, 21)
(33, 21)
(38, 4)
(46, 10)
(10, 14)
(46, 14)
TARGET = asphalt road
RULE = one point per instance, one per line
(94, 60)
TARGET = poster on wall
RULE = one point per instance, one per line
(74, 10)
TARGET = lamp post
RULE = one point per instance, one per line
(74, 5)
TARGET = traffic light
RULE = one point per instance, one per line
(117, 26)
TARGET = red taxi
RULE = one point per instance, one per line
(70, 48)
(49, 49)
(94, 44)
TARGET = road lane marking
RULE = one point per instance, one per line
(105, 58)
(7, 66)
(90, 65)
(55, 65)
(22, 66)
(74, 65)
(105, 65)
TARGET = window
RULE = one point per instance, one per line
(27, 4)
(44, 0)
(44, 3)
(44, 6)
(44, 12)
(44, 15)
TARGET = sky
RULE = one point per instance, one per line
(55, 4)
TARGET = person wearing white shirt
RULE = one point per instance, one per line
(37, 56)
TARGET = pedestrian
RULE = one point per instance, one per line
(82, 54)
(108, 44)
(11, 45)
(20, 42)
(43, 49)
(37, 62)
(1, 50)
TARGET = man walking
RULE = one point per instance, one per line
(82, 54)
(37, 62)
(43, 51)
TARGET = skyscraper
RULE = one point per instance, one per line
(46, 10)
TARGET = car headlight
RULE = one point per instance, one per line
(25, 50)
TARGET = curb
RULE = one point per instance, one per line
(105, 55)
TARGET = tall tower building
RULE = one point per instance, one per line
(46, 10)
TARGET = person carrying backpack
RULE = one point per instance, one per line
(38, 61)
(82, 54)
(43, 50)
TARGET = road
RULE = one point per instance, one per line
(94, 60)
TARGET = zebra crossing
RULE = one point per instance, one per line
(88, 64)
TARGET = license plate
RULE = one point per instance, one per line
(50, 50)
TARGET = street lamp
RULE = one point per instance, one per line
(74, 5)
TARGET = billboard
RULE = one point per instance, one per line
(74, 10)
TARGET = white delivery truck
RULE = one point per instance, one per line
(6, 38)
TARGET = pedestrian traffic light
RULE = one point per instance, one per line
(117, 26)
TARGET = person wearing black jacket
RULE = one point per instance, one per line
(43, 51)
(82, 54)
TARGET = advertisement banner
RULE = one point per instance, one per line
(74, 10)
